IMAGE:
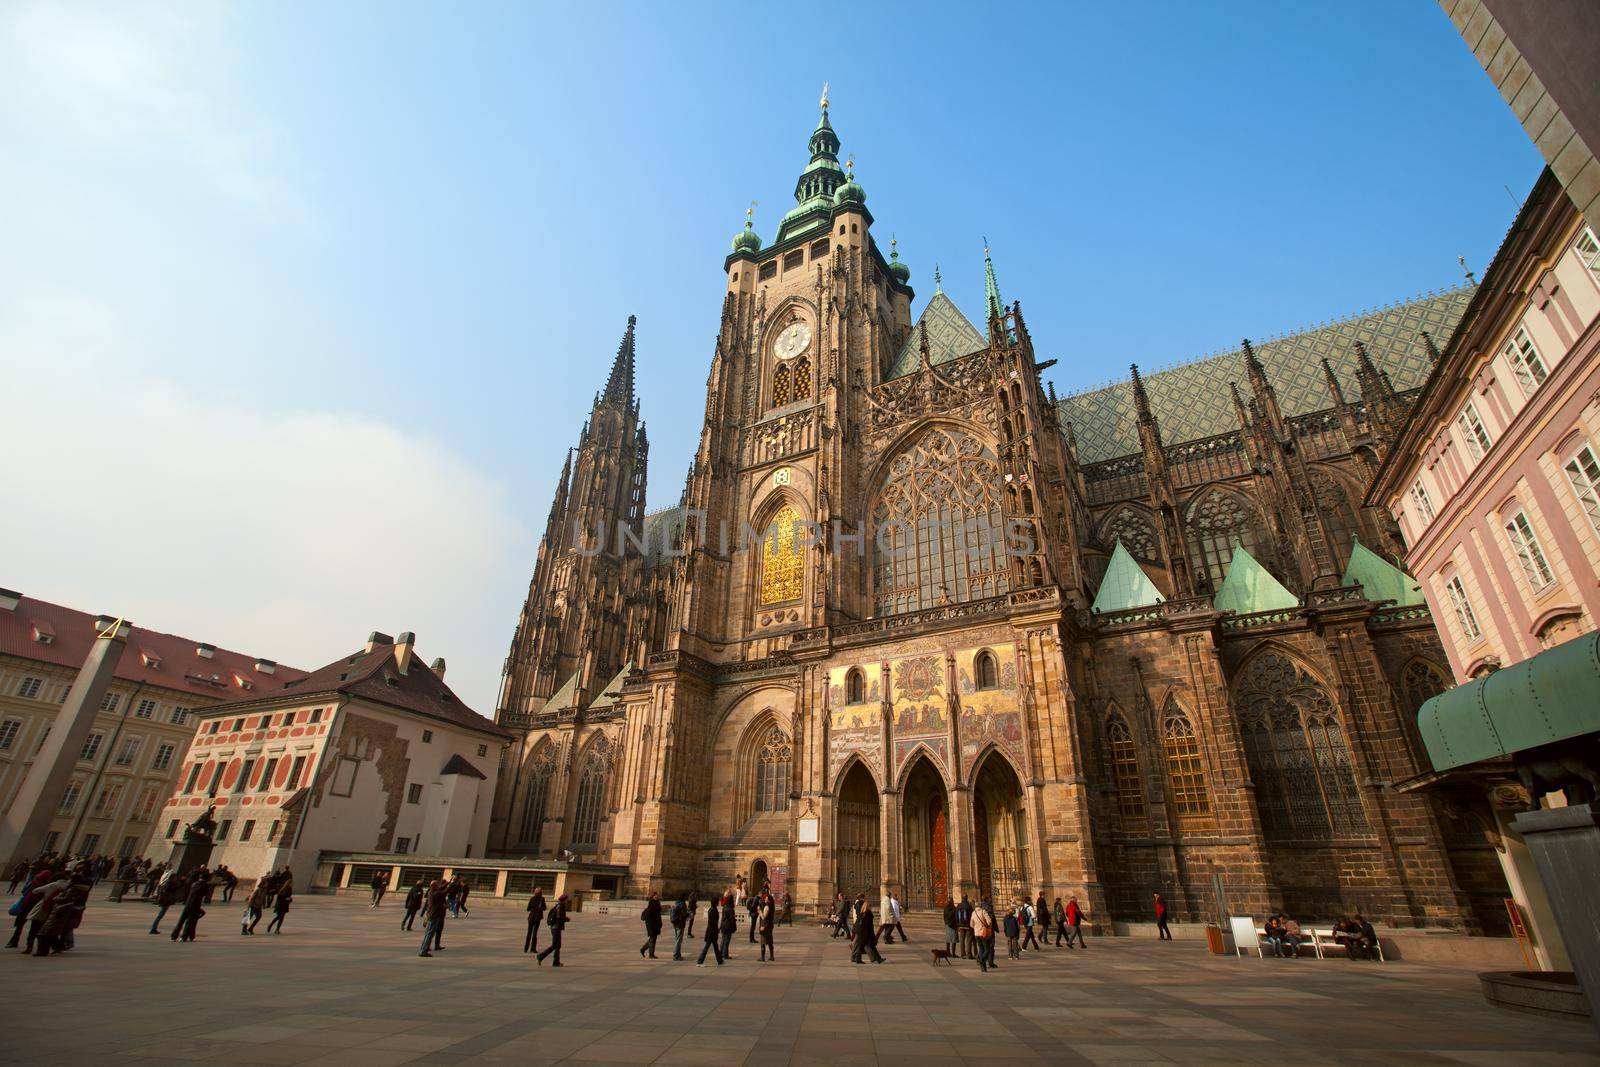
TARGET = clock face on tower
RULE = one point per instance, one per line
(793, 340)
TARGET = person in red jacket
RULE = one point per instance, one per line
(1161, 918)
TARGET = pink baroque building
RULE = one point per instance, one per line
(1495, 484)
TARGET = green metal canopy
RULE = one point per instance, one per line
(1380, 579)
(1126, 585)
(1249, 587)
(1550, 697)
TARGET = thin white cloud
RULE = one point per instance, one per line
(141, 80)
(287, 534)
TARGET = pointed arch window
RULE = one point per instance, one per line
(938, 526)
(1125, 773)
(537, 796)
(1186, 775)
(802, 378)
(855, 686)
(782, 385)
(988, 676)
(1299, 760)
(782, 562)
(1214, 521)
(773, 767)
(591, 795)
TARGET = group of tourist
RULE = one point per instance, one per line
(55, 892)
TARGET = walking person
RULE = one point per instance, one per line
(380, 884)
(193, 906)
(964, 926)
(415, 898)
(1013, 932)
(63, 913)
(729, 924)
(893, 918)
(536, 909)
(983, 935)
(38, 904)
(280, 908)
(466, 891)
(254, 905)
(694, 906)
(652, 926)
(1161, 918)
(230, 882)
(713, 937)
(866, 939)
(557, 921)
(1075, 922)
(679, 917)
(840, 916)
(752, 904)
(766, 917)
(171, 891)
(1058, 915)
(1030, 918)
(786, 916)
(951, 938)
(433, 930)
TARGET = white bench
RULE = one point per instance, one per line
(1325, 941)
(1247, 934)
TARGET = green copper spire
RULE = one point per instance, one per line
(1379, 579)
(901, 272)
(1249, 587)
(994, 306)
(1126, 585)
(814, 189)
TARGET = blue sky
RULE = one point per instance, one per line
(305, 302)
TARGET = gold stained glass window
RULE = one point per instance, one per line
(1186, 774)
(782, 562)
(782, 386)
(1125, 772)
(802, 378)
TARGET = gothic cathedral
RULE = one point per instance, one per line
(918, 624)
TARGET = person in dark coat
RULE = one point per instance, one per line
(41, 876)
(680, 917)
(254, 906)
(713, 936)
(652, 925)
(1161, 918)
(64, 914)
(536, 909)
(694, 906)
(380, 885)
(752, 904)
(766, 917)
(417, 896)
(193, 906)
(557, 922)
(280, 907)
(786, 916)
(964, 926)
(172, 890)
(730, 923)
(433, 931)
(866, 939)
(952, 937)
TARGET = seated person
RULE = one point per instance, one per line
(1368, 938)
(1273, 932)
(1347, 936)
(1291, 937)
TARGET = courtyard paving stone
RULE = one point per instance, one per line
(343, 985)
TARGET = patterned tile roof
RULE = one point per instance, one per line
(1125, 585)
(1249, 587)
(951, 335)
(661, 532)
(1192, 400)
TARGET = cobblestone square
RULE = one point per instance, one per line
(343, 985)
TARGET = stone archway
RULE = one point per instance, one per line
(1000, 831)
(858, 857)
(926, 838)
(758, 877)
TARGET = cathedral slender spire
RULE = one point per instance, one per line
(1434, 355)
(619, 387)
(937, 281)
(1141, 399)
(996, 307)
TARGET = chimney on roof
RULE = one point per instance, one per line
(376, 638)
(402, 651)
(205, 651)
(266, 666)
(437, 667)
(9, 599)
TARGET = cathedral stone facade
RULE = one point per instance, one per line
(918, 624)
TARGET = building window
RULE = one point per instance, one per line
(146, 806)
(110, 702)
(1463, 608)
(8, 733)
(51, 839)
(172, 829)
(238, 724)
(1473, 431)
(427, 737)
(984, 668)
(69, 798)
(1589, 252)
(855, 686)
(1535, 568)
(782, 559)
(483, 750)
(272, 831)
(1125, 773)
(772, 772)
(782, 385)
(344, 776)
(266, 775)
(244, 775)
(592, 795)
(145, 709)
(222, 830)
(163, 758)
(794, 259)
(44, 735)
(938, 534)
(316, 714)
(128, 845)
(213, 727)
(1525, 361)
(1421, 501)
(91, 747)
(536, 797)
(247, 829)
(414, 793)
(295, 768)
(129, 751)
(769, 270)
(29, 689)
(90, 843)
(1218, 520)
(802, 378)
(106, 803)
(402, 845)
(194, 777)
(180, 716)
(1186, 774)
(1583, 470)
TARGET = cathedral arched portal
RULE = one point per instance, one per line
(925, 813)
(1000, 830)
(857, 851)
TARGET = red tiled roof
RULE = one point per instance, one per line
(155, 659)
(376, 677)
